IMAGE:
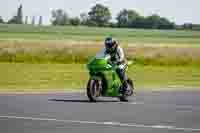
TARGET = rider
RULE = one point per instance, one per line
(117, 59)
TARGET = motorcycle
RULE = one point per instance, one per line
(105, 82)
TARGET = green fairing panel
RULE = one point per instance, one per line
(96, 65)
(101, 66)
(113, 83)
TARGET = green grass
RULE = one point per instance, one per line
(126, 36)
(54, 44)
(21, 77)
(36, 51)
(163, 58)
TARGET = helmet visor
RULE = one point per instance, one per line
(109, 43)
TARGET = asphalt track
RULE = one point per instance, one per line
(147, 112)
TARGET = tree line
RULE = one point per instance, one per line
(100, 16)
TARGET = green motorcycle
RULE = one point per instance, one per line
(105, 82)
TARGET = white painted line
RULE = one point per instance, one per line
(135, 103)
(131, 103)
(117, 124)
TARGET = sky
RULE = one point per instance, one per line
(178, 11)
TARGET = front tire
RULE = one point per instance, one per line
(93, 90)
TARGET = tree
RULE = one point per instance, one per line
(112, 25)
(153, 21)
(99, 16)
(40, 21)
(84, 18)
(122, 18)
(74, 21)
(125, 18)
(1, 20)
(165, 24)
(157, 22)
(13, 20)
(140, 22)
(130, 18)
(59, 17)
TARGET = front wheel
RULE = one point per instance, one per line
(93, 90)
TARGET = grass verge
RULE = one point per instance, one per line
(20, 77)
(37, 51)
(94, 34)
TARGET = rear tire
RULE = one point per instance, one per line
(124, 97)
(131, 84)
(93, 90)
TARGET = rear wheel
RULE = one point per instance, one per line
(93, 90)
(124, 97)
(131, 86)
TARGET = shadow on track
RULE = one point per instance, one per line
(82, 101)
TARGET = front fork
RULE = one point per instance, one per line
(99, 84)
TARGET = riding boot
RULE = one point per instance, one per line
(122, 76)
